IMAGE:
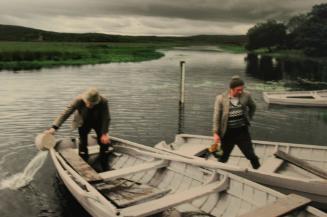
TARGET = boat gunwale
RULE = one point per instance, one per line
(260, 142)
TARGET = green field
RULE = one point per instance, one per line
(35, 55)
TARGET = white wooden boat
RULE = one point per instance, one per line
(297, 98)
(297, 168)
(150, 182)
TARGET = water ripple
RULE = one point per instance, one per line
(143, 101)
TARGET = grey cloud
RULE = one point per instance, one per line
(144, 16)
(209, 10)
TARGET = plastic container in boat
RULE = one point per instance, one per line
(45, 141)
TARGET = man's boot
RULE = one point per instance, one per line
(84, 155)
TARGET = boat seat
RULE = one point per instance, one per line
(80, 166)
(270, 165)
(280, 207)
(114, 174)
(124, 192)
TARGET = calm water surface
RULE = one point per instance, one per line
(144, 108)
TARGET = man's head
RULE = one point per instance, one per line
(91, 97)
(236, 86)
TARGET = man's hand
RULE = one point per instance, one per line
(105, 139)
(50, 131)
(216, 138)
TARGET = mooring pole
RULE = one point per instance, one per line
(182, 83)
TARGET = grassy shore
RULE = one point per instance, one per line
(36, 55)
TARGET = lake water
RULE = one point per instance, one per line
(144, 108)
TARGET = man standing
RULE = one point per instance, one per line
(232, 114)
(91, 112)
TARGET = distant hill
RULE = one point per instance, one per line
(19, 33)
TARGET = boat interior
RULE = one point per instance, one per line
(145, 183)
(298, 161)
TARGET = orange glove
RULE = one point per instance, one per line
(213, 147)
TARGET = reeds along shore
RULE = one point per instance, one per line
(36, 55)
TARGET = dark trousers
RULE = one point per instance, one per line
(241, 138)
(82, 149)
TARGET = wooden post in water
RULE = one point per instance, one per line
(182, 83)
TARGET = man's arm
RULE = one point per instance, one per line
(252, 107)
(105, 139)
(65, 114)
(105, 117)
(217, 118)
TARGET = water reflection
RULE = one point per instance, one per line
(297, 74)
(181, 110)
(143, 101)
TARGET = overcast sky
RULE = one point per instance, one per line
(149, 17)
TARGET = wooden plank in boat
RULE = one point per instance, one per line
(148, 176)
(176, 181)
(248, 192)
(134, 169)
(211, 203)
(301, 163)
(260, 197)
(244, 207)
(280, 207)
(80, 166)
(233, 207)
(105, 186)
(121, 162)
(186, 183)
(195, 183)
(222, 205)
(236, 187)
(200, 201)
(187, 207)
(158, 205)
(157, 177)
(138, 176)
(132, 161)
(133, 195)
(271, 165)
(166, 179)
(193, 149)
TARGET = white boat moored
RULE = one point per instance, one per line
(297, 98)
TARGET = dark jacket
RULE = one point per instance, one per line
(221, 111)
(100, 112)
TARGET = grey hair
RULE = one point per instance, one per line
(91, 95)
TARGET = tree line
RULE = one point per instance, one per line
(25, 34)
(306, 32)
